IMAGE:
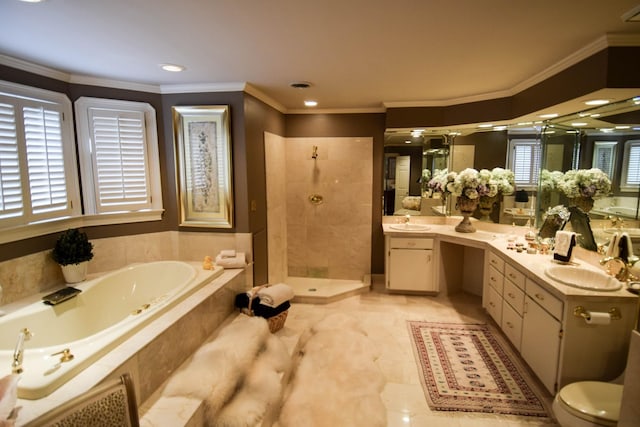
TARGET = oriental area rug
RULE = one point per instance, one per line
(469, 368)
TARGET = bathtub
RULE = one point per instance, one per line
(109, 309)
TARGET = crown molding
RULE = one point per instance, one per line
(114, 84)
(337, 110)
(202, 87)
(34, 68)
(608, 40)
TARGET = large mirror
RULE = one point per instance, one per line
(605, 137)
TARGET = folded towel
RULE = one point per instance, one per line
(242, 302)
(228, 253)
(8, 398)
(564, 242)
(625, 247)
(274, 295)
(238, 261)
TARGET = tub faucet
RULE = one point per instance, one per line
(18, 354)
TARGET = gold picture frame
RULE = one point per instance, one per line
(203, 165)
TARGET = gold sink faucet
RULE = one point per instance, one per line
(623, 274)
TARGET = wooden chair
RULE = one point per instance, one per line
(112, 404)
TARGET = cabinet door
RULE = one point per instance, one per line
(540, 345)
(411, 270)
(494, 304)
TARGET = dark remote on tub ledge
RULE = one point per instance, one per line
(60, 296)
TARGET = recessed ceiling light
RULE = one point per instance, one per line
(310, 103)
(622, 127)
(499, 128)
(548, 116)
(408, 141)
(174, 68)
(486, 125)
(32, 1)
(578, 124)
(597, 102)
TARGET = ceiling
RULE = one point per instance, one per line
(358, 55)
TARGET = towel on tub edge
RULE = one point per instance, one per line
(239, 261)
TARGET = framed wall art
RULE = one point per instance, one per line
(203, 165)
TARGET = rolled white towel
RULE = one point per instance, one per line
(273, 296)
(239, 261)
(228, 253)
(563, 243)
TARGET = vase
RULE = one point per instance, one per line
(584, 203)
(466, 206)
(74, 273)
(486, 207)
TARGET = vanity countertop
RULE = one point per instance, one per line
(495, 238)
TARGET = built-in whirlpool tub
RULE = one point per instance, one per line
(108, 326)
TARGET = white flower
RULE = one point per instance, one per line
(585, 183)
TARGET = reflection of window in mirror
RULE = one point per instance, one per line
(604, 154)
(524, 160)
(631, 171)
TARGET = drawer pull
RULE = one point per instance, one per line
(540, 297)
(492, 304)
(509, 324)
(513, 276)
(512, 296)
(493, 279)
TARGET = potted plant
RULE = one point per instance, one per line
(73, 252)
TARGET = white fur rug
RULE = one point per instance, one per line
(336, 381)
(237, 375)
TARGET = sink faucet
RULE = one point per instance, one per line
(616, 221)
(18, 354)
(624, 273)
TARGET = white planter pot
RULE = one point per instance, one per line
(74, 273)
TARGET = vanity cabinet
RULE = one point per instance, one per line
(528, 315)
(541, 334)
(409, 264)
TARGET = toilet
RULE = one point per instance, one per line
(588, 404)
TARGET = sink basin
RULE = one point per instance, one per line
(409, 227)
(582, 278)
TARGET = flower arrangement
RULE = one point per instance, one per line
(473, 184)
(504, 179)
(587, 183)
(441, 180)
(549, 180)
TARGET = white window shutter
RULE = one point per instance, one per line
(45, 160)
(525, 161)
(120, 160)
(632, 162)
(11, 201)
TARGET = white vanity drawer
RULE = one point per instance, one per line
(511, 325)
(496, 262)
(496, 279)
(494, 305)
(514, 275)
(514, 296)
(547, 301)
(410, 243)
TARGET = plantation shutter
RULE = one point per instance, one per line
(119, 160)
(526, 162)
(632, 177)
(45, 160)
(11, 203)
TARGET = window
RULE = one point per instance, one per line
(524, 160)
(631, 172)
(119, 162)
(37, 157)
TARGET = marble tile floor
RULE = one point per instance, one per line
(384, 317)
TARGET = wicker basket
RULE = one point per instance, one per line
(275, 322)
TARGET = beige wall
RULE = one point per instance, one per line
(327, 240)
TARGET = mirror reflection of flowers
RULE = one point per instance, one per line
(550, 180)
(504, 179)
(441, 179)
(587, 183)
(424, 180)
